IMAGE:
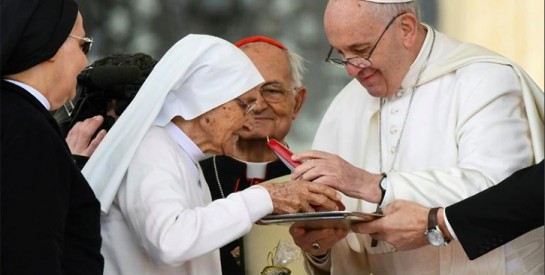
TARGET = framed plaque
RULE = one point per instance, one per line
(317, 220)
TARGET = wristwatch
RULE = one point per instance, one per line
(433, 234)
(383, 184)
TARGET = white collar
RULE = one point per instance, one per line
(255, 169)
(33, 92)
(191, 149)
(192, 152)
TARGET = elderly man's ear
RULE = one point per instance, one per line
(300, 98)
(409, 27)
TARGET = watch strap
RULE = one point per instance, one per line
(432, 218)
(433, 225)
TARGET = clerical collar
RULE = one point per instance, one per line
(412, 74)
(32, 91)
(255, 170)
(185, 143)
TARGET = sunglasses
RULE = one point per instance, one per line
(87, 43)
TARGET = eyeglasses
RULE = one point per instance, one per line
(359, 61)
(273, 92)
(87, 43)
(247, 106)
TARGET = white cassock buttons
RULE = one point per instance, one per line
(393, 150)
(394, 111)
(393, 130)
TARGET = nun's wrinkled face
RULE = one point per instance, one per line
(223, 124)
(69, 61)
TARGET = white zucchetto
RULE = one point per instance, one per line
(388, 1)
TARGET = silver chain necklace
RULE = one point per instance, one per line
(382, 101)
(217, 176)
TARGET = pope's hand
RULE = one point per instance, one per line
(333, 171)
(316, 241)
(403, 225)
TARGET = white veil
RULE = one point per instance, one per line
(197, 74)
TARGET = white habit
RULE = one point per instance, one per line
(164, 220)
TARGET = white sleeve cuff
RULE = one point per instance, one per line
(388, 197)
(258, 201)
(323, 263)
(449, 228)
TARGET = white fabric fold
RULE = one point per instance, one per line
(532, 94)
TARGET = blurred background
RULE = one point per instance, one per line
(513, 28)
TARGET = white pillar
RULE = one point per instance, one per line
(513, 28)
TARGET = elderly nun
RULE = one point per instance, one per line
(158, 216)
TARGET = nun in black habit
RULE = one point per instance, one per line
(50, 216)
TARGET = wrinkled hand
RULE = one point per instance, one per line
(325, 238)
(79, 137)
(333, 171)
(298, 196)
(403, 225)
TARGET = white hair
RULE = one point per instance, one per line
(297, 68)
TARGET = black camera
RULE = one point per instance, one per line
(105, 90)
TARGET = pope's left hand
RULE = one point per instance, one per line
(403, 225)
(316, 241)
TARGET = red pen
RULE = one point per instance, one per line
(283, 153)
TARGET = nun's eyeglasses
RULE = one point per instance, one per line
(87, 43)
(248, 107)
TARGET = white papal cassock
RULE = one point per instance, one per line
(475, 119)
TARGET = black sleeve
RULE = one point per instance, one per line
(500, 213)
(80, 161)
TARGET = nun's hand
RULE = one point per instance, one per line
(302, 196)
